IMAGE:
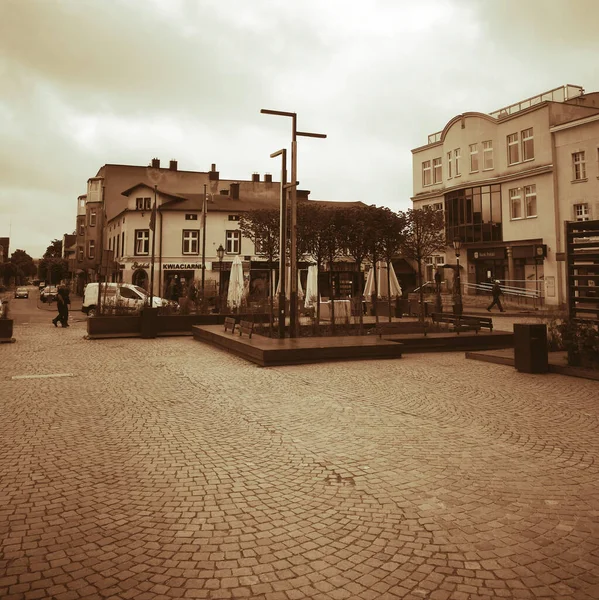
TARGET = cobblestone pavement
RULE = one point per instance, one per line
(169, 469)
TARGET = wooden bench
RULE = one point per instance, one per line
(395, 328)
(459, 323)
(230, 324)
(246, 327)
(486, 322)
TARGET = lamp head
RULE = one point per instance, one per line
(220, 252)
(457, 245)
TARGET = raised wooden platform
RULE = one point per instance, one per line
(269, 352)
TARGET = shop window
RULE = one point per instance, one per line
(142, 242)
(191, 241)
(233, 241)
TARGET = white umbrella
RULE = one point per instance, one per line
(236, 289)
(300, 289)
(381, 275)
(311, 286)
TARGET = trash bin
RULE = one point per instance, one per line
(149, 322)
(530, 348)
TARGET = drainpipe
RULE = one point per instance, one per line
(160, 259)
(559, 268)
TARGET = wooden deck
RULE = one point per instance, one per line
(270, 352)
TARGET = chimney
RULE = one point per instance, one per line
(256, 177)
(172, 165)
(234, 191)
(267, 178)
(213, 175)
(156, 163)
(303, 194)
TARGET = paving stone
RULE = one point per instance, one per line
(168, 469)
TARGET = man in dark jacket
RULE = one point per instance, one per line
(62, 301)
(497, 292)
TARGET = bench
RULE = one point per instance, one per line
(486, 322)
(459, 323)
(382, 329)
(230, 324)
(246, 327)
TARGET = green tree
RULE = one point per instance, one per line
(424, 235)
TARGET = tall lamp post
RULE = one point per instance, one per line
(457, 246)
(220, 252)
(293, 304)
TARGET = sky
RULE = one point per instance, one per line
(89, 82)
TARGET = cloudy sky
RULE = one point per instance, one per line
(89, 82)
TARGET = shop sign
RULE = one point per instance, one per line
(138, 265)
(181, 266)
(490, 253)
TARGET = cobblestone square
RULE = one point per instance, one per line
(166, 468)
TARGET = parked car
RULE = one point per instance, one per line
(22, 292)
(124, 297)
(49, 293)
(42, 285)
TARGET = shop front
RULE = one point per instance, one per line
(486, 265)
(177, 277)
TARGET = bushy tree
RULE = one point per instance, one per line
(24, 265)
(424, 236)
(53, 268)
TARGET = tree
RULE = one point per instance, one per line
(24, 263)
(262, 226)
(53, 268)
(424, 235)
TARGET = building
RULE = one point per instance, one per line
(114, 227)
(507, 181)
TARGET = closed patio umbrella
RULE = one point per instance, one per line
(236, 284)
(311, 286)
(383, 289)
(300, 289)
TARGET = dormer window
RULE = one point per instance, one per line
(143, 203)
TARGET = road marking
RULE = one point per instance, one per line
(42, 376)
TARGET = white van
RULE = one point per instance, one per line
(130, 298)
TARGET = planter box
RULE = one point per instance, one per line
(131, 326)
(6, 329)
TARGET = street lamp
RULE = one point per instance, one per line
(220, 252)
(457, 246)
(282, 241)
(293, 304)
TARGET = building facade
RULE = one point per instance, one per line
(507, 181)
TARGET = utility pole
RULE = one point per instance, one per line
(204, 207)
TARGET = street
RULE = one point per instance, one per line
(165, 468)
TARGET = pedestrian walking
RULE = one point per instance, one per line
(62, 302)
(497, 292)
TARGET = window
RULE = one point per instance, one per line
(191, 241)
(437, 170)
(487, 155)
(513, 149)
(91, 249)
(122, 243)
(449, 165)
(426, 173)
(191, 217)
(528, 148)
(530, 200)
(80, 253)
(118, 239)
(457, 155)
(143, 203)
(233, 217)
(473, 158)
(516, 203)
(438, 205)
(142, 242)
(92, 218)
(581, 212)
(579, 166)
(81, 228)
(233, 244)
